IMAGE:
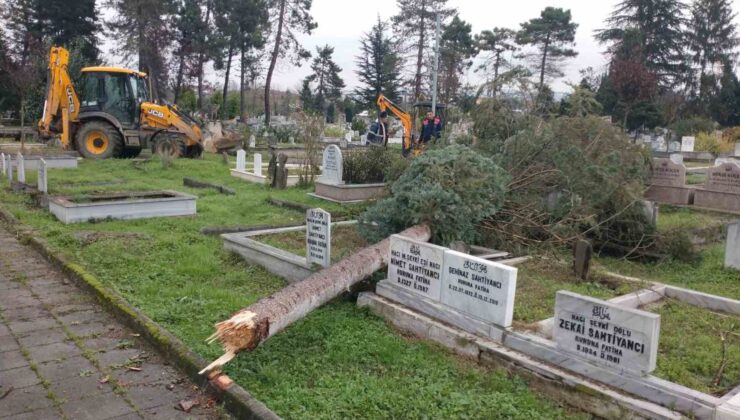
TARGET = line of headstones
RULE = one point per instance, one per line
(241, 162)
(604, 333)
(723, 177)
(331, 164)
(20, 163)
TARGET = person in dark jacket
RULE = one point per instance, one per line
(431, 128)
(378, 133)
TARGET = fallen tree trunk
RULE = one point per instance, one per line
(249, 327)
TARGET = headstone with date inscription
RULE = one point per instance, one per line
(318, 237)
(478, 287)
(613, 336)
(416, 266)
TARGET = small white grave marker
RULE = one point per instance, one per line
(21, 165)
(732, 248)
(737, 149)
(676, 158)
(416, 266)
(318, 237)
(9, 168)
(687, 144)
(258, 164)
(607, 334)
(252, 141)
(481, 288)
(332, 165)
(241, 160)
(2, 162)
(42, 177)
(348, 137)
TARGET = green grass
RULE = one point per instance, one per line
(695, 179)
(539, 281)
(682, 218)
(690, 350)
(339, 362)
(344, 241)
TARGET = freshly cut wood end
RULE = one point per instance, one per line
(218, 363)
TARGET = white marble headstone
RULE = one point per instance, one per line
(480, 288)
(9, 167)
(348, 136)
(318, 237)
(2, 162)
(687, 144)
(674, 146)
(607, 334)
(737, 149)
(252, 141)
(677, 158)
(21, 167)
(332, 165)
(732, 248)
(241, 160)
(416, 266)
(258, 164)
(42, 179)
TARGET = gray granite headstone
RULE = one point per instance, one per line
(332, 165)
(687, 144)
(416, 266)
(724, 178)
(42, 179)
(480, 288)
(607, 334)
(241, 160)
(258, 164)
(318, 237)
(21, 167)
(668, 173)
(732, 248)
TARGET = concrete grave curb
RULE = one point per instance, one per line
(236, 399)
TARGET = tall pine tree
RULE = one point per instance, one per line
(326, 79)
(496, 43)
(551, 34)
(662, 38)
(379, 66)
(64, 22)
(287, 19)
(415, 24)
(713, 41)
(456, 52)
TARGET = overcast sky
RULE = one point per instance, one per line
(341, 24)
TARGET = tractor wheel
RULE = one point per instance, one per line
(194, 152)
(99, 140)
(172, 146)
(131, 152)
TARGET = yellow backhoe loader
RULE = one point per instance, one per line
(112, 116)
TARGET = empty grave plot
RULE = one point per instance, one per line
(128, 205)
(539, 280)
(699, 348)
(344, 241)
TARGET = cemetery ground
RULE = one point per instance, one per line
(338, 362)
(341, 361)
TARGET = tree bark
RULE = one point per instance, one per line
(419, 58)
(544, 62)
(226, 80)
(202, 59)
(242, 101)
(273, 60)
(251, 326)
(180, 71)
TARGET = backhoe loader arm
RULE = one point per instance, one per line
(62, 104)
(385, 104)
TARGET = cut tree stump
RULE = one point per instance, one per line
(246, 329)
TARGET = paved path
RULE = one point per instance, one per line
(63, 356)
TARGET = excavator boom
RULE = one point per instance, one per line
(385, 104)
(62, 104)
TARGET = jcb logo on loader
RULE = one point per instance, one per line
(156, 113)
(71, 100)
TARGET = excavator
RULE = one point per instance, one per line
(410, 145)
(113, 115)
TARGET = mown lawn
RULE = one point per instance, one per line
(340, 362)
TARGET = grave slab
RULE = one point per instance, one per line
(721, 190)
(416, 266)
(610, 335)
(318, 237)
(479, 288)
